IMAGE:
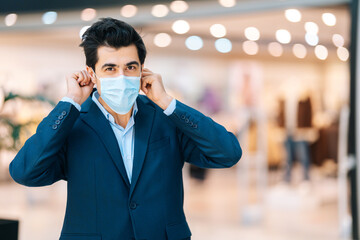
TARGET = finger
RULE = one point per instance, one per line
(144, 84)
(81, 77)
(146, 70)
(87, 78)
(87, 75)
(147, 79)
(147, 73)
(88, 89)
(75, 76)
(144, 89)
(92, 77)
(84, 79)
(90, 84)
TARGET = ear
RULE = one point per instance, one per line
(91, 73)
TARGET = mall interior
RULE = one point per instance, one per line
(274, 73)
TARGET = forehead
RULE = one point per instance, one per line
(118, 56)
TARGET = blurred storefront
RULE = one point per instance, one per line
(276, 73)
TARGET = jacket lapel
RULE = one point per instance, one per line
(143, 125)
(97, 121)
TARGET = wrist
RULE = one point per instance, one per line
(164, 101)
(76, 99)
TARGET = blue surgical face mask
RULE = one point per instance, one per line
(120, 93)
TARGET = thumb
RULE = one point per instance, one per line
(143, 85)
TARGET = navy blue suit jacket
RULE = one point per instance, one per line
(81, 148)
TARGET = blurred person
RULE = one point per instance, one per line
(296, 117)
(121, 153)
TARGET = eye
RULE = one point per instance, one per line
(109, 69)
(131, 67)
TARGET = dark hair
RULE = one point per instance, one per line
(112, 33)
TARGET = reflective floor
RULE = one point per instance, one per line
(221, 207)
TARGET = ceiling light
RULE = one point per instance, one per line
(293, 15)
(321, 52)
(329, 19)
(223, 45)
(162, 40)
(343, 54)
(88, 14)
(338, 40)
(252, 33)
(181, 26)
(49, 17)
(218, 30)
(82, 31)
(275, 49)
(299, 50)
(283, 36)
(194, 43)
(311, 27)
(128, 11)
(10, 19)
(250, 47)
(179, 6)
(159, 10)
(311, 39)
(227, 3)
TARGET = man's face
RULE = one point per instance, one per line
(115, 62)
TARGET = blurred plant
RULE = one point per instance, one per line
(12, 132)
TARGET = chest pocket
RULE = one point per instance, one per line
(158, 144)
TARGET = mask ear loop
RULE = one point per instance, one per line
(141, 69)
(95, 86)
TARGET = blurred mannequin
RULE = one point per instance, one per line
(245, 102)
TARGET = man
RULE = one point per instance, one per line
(121, 153)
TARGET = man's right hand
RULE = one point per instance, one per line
(79, 86)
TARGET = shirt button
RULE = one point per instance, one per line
(61, 117)
(191, 124)
(182, 116)
(57, 122)
(187, 120)
(194, 126)
(54, 126)
(133, 205)
(63, 113)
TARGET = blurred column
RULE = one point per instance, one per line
(354, 132)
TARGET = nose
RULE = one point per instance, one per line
(121, 72)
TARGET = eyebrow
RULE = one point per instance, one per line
(114, 65)
(109, 65)
(133, 62)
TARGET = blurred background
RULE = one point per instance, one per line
(275, 73)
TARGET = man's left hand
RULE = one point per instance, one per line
(153, 87)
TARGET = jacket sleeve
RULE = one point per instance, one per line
(41, 161)
(204, 142)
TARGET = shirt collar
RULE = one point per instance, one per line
(95, 98)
